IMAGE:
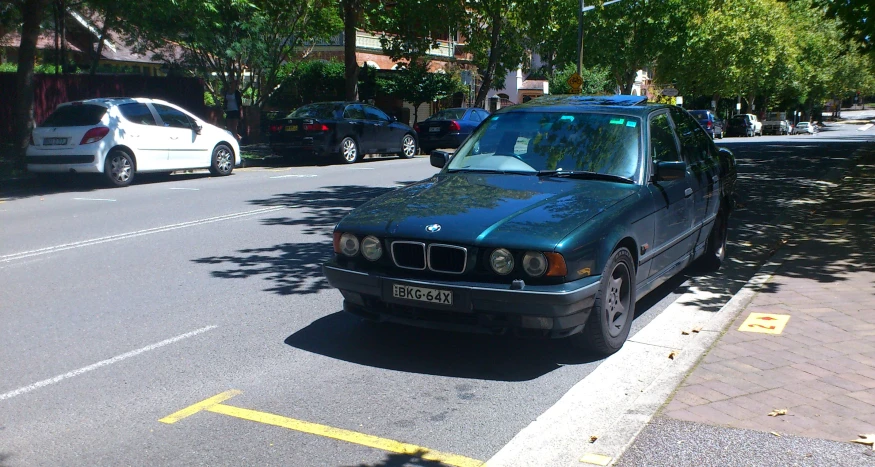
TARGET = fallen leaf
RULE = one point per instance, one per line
(673, 354)
(776, 412)
(776, 434)
(866, 439)
(685, 333)
(593, 438)
(697, 329)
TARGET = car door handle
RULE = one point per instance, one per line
(688, 192)
(174, 137)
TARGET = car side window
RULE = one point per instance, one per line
(695, 143)
(475, 116)
(354, 112)
(138, 113)
(663, 146)
(483, 114)
(173, 118)
(373, 113)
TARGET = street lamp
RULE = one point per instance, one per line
(583, 8)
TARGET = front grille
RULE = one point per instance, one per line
(409, 255)
(447, 258)
(60, 159)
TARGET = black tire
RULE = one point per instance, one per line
(408, 147)
(612, 313)
(222, 162)
(715, 248)
(349, 151)
(119, 168)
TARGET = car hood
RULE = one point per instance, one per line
(522, 211)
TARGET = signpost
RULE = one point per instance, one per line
(670, 92)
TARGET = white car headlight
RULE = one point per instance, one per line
(349, 244)
(534, 263)
(372, 249)
(501, 261)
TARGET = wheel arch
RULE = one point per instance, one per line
(125, 149)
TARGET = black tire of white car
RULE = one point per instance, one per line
(612, 313)
(715, 248)
(408, 147)
(118, 168)
(222, 162)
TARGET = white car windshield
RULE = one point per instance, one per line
(533, 142)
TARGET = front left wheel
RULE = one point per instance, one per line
(408, 147)
(223, 161)
(612, 313)
(118, 168)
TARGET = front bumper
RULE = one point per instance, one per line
(538, 311)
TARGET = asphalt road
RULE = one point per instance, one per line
(121, 307)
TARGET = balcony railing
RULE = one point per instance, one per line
(366, 40)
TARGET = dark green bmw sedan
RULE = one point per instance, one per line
(552, 219)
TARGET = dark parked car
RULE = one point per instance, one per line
(448, 128)
(740, 125)
(712, 124)
(345, 130)
(551, 220)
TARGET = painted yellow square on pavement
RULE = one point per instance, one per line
(766, 323)
(835, 222)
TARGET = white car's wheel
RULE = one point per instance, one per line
(223, 160)
(118, 168)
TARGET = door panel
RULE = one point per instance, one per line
(355, 124)
(187, 148)
(150, 142)
(383, 133)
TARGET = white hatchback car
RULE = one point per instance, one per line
(119, 137)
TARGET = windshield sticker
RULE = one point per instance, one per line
(618, 121)
(632, 123)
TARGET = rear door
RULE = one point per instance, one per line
(697, 150)
(150, 142)
(355, 125)
(386, 138)
(187, 148)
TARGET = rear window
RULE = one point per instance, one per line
(317, 111)
(700, 114)
(75, 115)
(449, 114)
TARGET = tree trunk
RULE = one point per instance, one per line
(351, 71)
(22, 111)
(489, 74)
(100, 42)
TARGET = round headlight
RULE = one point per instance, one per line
(371, 248)
(501, 261)
(349, 244)
(534, 263)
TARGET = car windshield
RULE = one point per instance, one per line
(802, 124)
(324, 110)
(449, 114)
(75, 115)
(533, 142)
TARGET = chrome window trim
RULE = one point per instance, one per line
(406, 242)
(444, 245)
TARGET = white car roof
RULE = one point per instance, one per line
(114, 101)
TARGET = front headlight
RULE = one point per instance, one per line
(501, 261)
(372, 249)
(534, 263)
(349, 244)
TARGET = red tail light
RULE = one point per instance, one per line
(276, 128)
(710, 124)
(416, 127)
(454, 126)
(315, 127)
(94, 135)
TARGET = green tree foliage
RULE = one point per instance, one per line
(222, 38)
(415, 84)
(408, 28)
(307, 82)
(856, 19)
(596, 80)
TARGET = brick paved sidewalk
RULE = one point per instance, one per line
(821, 368)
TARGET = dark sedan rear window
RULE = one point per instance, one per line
(75, 115)
(449, 114)
(700, 114)
(325, 111)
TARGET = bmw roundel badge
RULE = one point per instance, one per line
(432, 228)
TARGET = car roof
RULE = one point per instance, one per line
(113, 101)
(635, 105)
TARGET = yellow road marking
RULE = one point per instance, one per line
(835, 222)
(596, 459)
(202, 405)
(766, 323)
(214, 404)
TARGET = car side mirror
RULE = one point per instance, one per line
(670, 170)
(196, 127)
(393, 118)
(439, 158)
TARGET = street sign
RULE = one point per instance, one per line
(766, 323)
(575, 82)
(670, 92)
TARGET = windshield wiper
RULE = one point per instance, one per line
(583, 174)
(491, 171)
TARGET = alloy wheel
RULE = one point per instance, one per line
(617, 300)
(120, 168)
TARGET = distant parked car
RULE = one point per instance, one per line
(740, 125)
(343, 130)
(805, 128)
(776, 127)
(712, 124)
(448, 128)
(120, 137)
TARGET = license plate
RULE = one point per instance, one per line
(54, 141)
(444, 297)
(292, 128)
(434, 129)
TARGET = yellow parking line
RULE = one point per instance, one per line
(202, 405)
(214, 404)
